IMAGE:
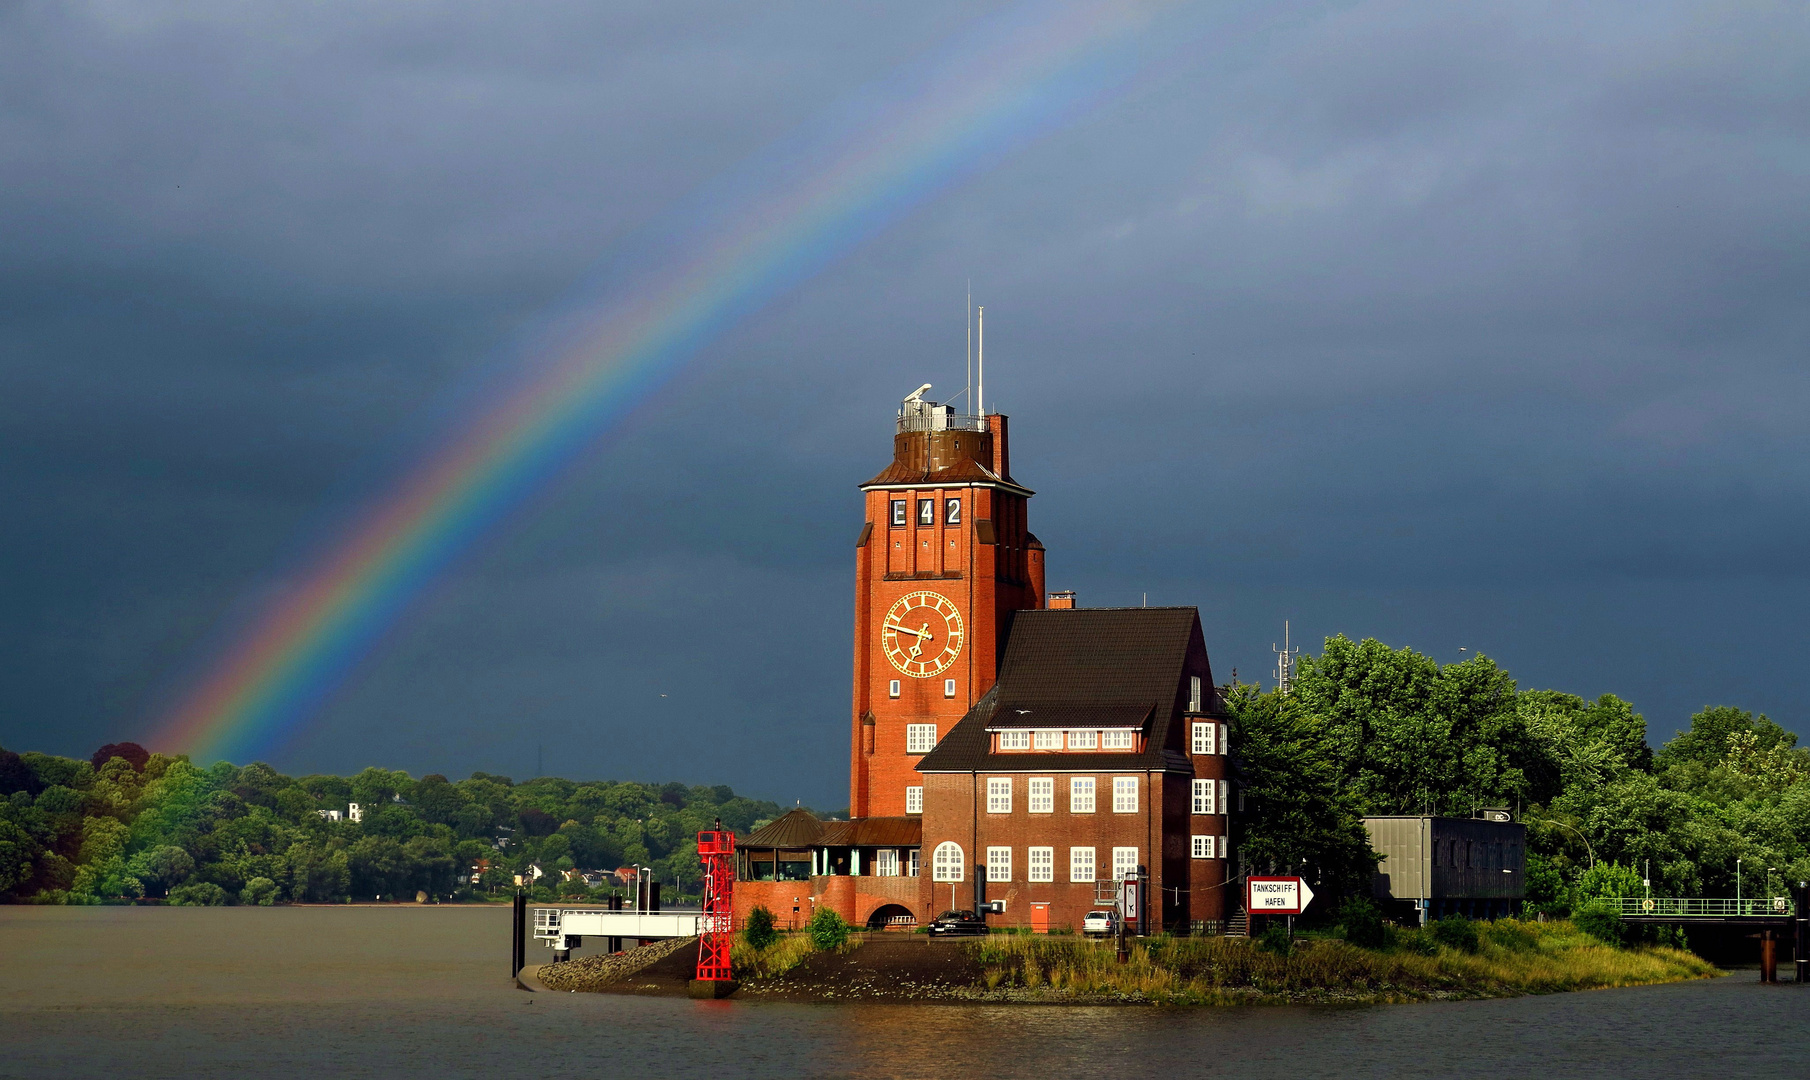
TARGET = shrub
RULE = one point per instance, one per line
(1362, 923)
(1456, 932)
(1417, 941)
(260, 891)
(827, 930)
(1276, 939)
(1510, 934)
(759, 932)
(198, 894)
(1599, 921)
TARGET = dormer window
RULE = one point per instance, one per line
(1118, 740)
(1048, 740)
(1014, 740)
(1083, 740)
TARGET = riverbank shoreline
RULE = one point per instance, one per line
(1060, 970)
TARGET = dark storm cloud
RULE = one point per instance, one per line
(1454, 324)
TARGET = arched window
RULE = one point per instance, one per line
(946, 864)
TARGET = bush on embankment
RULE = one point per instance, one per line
(1511, 957)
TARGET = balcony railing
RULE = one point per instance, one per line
(924, 416)
(1754, 907)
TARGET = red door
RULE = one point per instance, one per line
(1040, 918)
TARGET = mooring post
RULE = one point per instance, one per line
(1800, 923)
(1769, 956)
(518, 922)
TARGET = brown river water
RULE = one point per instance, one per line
(130, 993)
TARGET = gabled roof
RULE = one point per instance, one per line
(1016, 716)
(1093, 662)
(796, 829)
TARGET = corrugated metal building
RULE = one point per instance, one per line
(1443, 866)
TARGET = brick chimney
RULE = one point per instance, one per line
(1062, 601)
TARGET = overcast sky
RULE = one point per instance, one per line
(1455, 325)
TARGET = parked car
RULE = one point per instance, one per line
(957, 923)
(1100, 923)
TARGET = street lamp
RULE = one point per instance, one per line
(1737, 886)
(1580, 836)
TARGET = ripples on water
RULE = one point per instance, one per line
(128, 993)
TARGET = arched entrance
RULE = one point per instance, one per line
(887, 915)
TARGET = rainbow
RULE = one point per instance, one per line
(1006, 80)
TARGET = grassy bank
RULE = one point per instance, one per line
(1511, 958)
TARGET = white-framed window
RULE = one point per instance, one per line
(1124, 863)
(999, 864)
(920, 738)
(1014, 740)
(1041, 865)
(1204, 803)
(1124, 794)
(1042, 797)
(1225, 848)
(952, 511)
(1118, 740)
(1225, 805)
(914, 800)
(1203, 741)
(947, 864)
(1048, 740)
(1194, 693)
(1202, 847)
(999, 794)
(886, 862)
(1080, 794)
(911, 863)
(948, 687)
(926, 512)
(1225, 741)
(898, 513)
(892, 688)
(1083, 740)
(1080, 864)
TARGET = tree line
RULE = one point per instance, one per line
(1370, 730)
(128, 824)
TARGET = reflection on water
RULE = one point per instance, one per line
(403, 991)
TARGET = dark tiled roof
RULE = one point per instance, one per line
(797, 829)
(956, 474)
(1014, 715)
(873, 832)
(1084, 659)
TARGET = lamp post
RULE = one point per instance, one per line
(1737, 886)
(1580, 836)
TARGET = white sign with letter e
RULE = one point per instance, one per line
(1277, 895)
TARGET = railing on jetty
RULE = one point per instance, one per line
(1677, 907)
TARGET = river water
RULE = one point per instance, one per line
(424, 991)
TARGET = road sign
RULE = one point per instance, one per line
(1277, 895)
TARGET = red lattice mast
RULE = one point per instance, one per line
(716, 849)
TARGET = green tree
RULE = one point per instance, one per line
(758, 932)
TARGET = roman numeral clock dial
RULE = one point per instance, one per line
(922, 635)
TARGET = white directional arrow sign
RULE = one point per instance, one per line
(1277, 895)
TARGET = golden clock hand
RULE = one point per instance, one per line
(902, 629)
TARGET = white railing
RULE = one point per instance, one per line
(1747, 907)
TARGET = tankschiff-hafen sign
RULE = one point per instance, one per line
(1277, 895)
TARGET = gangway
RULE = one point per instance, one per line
(1772, 916)
(564, 929)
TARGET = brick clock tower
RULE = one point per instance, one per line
(944, 560)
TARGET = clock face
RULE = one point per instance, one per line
(922, 634)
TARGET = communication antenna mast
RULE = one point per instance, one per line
(968, 325)
(1285, 661)
(980, 339)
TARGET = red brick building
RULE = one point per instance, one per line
(1059, 747)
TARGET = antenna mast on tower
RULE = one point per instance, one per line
(980, 395)
(1285, 661)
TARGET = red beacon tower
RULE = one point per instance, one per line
(716, 850)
